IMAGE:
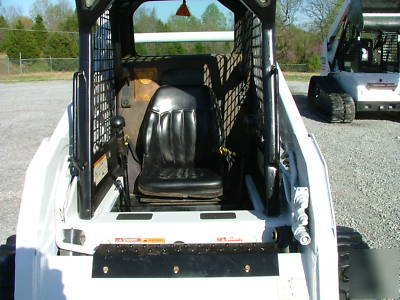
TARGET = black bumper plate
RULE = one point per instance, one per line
(185, 260)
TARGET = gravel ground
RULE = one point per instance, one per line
(363, 157)
(29, 112)
(364, 170)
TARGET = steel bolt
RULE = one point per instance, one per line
(175, 269)
(247, 268)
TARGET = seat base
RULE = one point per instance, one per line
(184, 183)
(179, 201)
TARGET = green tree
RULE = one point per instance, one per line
(3, 22)
(334, 11)
(213, 18)
(322, 14)
(178, 23)
(41, 34)
(26, 22)
(174, 48)
(52, 13)
(70, 23)
(18, 41)
(295, 46)
(314, 63)
(61, 45)
(287, 10)
(11, 13)
(147, 21)
(200, 48)
(3, 33)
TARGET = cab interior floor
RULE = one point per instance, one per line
(139, 203)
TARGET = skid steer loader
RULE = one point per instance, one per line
(177, 176)
(360, 62)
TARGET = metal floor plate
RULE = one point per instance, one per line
(185, 260)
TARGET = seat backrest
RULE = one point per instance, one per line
(180, 128)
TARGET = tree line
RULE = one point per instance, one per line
(42, 35)
(212, 19)
(301, 26)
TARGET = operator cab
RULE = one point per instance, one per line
(368, 38)
(370, 52)
(175, 126)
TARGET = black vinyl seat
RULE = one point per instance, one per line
(178, 144)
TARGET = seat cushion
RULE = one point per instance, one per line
(180, 182)
(178, 144)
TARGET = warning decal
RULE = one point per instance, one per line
(140, 240)
(100, 169)
(227, 239)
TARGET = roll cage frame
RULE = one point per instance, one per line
(121, 17)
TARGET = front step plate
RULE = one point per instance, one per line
(185, 260)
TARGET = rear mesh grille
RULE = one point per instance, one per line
(103, 82)
(257, 75)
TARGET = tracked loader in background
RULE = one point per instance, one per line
(177, 176)
(360, 62)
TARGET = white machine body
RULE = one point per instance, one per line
(55, 247)
(49, 210)
(370, 87)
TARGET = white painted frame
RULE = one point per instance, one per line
(49, 205)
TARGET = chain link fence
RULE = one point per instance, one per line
(10, 66)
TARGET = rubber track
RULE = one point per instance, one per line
(336, 105)
(7, 266)
(347, 240)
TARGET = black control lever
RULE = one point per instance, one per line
(117, 126)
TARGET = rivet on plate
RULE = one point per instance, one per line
(105, 269)
(175, 269)
(247, 268)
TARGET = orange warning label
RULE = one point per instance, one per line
(140, 240)
(100, 169)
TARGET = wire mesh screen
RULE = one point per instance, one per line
(390, 55)
(257, 73)
(103, 82)
(234, 76)
(235, 96)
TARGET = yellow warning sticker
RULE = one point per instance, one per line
(153, 240)
(100, 169)
(140, 240)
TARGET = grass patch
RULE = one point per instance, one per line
(298, 76)
(41, 76)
